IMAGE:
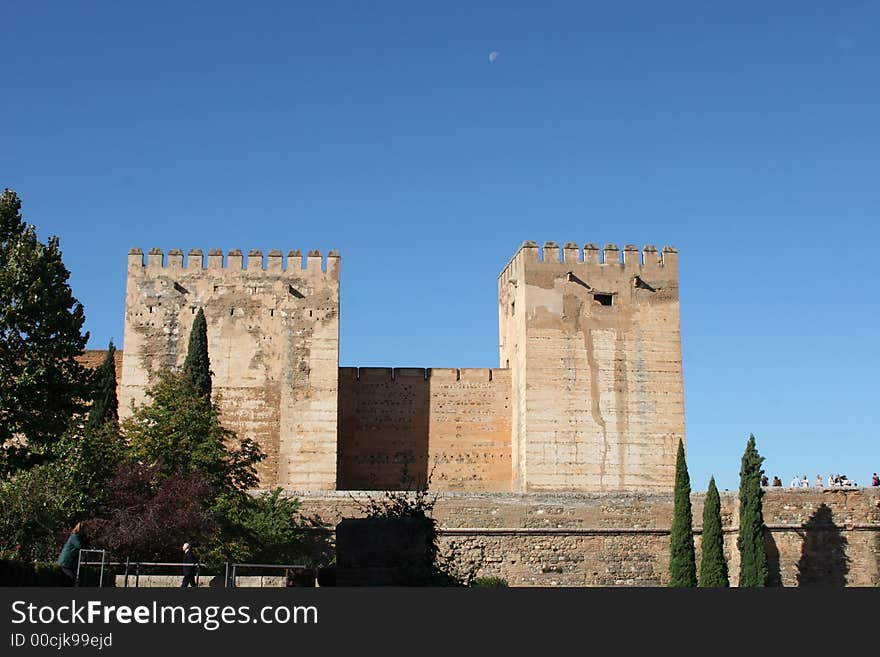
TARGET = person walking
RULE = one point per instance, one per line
(69, 557)
(189, 569)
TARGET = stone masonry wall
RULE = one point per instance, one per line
(397, 427)
(594, 345)
(818, 537)
(273, 338)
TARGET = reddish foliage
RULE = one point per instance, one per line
(149, 520)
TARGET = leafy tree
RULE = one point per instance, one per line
(713, 567)
(41, 383)
(754, 570)
(105, 407)
(181, 434)
(269, 528)
(197, 364)
(51, 497)
(149, 518)
(682, 557)
(38, 504)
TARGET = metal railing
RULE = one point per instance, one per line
(231, 582)
(229, 579)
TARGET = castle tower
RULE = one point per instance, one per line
(273, 340)
(594, 346)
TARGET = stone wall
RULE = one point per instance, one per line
(829, 537)
(398, 426)
(273, 339)
(594, 345)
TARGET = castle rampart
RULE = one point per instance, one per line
(593, 342)
(399, 426)
(273, 334)
(815, 537)
(589, 395)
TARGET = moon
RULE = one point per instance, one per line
(493, 56)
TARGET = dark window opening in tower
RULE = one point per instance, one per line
(604, 299)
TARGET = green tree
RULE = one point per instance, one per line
(682, 557)
(105, 407)
(41, 383)
(753, 571)
(197, 364)
(182, 434)
(713, 567)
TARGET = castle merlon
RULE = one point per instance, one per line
(628, 258)
(235, 261)
(404, 374)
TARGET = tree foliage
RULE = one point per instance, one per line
(197, 365)
(713, 566)
(754, 570)
(41, 383)
(181, 434)
(682, 557)
(148, 518)
(105, 406)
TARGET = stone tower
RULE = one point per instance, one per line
(593, 343)
(273, 339)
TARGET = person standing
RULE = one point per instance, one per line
(189, 569)
(818, 481)
(69, 557)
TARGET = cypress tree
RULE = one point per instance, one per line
(105, 408)
(197, 365)
(682, 557)
(753, 571)
(713, 567)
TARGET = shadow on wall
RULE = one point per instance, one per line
(383, 429)
(774, 577)
(823, 559)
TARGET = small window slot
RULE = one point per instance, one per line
(603, 299)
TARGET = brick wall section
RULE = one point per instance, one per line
(622, 539)
(397, 427)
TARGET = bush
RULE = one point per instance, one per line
(25, 573)
(490, 582)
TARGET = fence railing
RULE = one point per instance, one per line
(135, 568)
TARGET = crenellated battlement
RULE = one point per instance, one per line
(610, 256)
(234, 260)
(404, 374)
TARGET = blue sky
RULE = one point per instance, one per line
(744, 134)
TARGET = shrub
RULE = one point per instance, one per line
(490, 582)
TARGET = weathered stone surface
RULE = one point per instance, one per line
(594, 349)
(273, 337)
(622, 539)
(589, 396)
(397, 427)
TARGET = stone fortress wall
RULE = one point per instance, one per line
(589, 397)
(555, 469)
(273, 336)
(594, 346)
(815, 537)
(398, 427)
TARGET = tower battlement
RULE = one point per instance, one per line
(588, 395)
(610, 257)
(234, 261)
(591, 336)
